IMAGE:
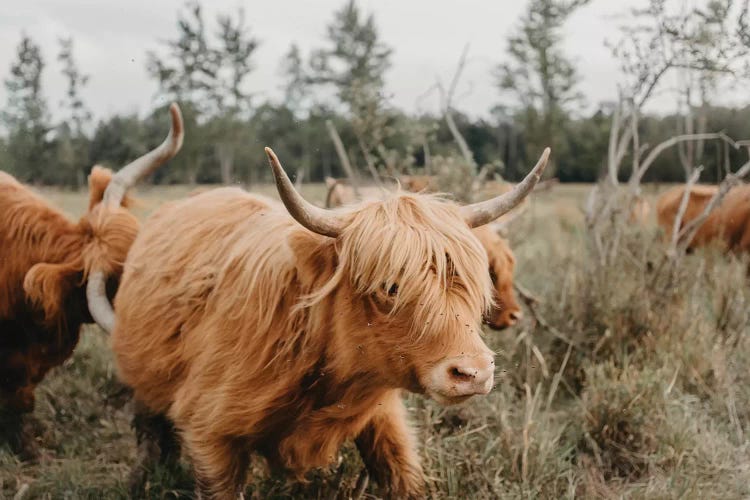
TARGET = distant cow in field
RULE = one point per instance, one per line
(44, 263)
(728, 224)
(505, 310)
(253, 328)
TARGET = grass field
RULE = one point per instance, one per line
(632, 381)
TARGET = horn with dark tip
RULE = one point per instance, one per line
(484, 212)
(315, 219)
(96, 293)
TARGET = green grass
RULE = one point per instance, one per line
(652, 402)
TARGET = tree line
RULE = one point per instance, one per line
(337, 91)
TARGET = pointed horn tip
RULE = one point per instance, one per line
(541, 164)
(177, 129)
(272, 158)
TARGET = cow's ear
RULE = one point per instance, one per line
(47, 285)
(98, 181)
(315, 256)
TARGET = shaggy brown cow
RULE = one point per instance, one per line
(44, 261)
(505, 311)
(286, 332)
(728, 224)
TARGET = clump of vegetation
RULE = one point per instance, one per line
(622, 415)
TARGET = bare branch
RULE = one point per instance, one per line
(368, 160)
(683, 207)
(343, 157)
(446, 99)
(658, 149)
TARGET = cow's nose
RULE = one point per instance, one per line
(515, 316)
(469, 375)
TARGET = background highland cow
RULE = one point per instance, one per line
(46, 261)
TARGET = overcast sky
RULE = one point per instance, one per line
(112, 38)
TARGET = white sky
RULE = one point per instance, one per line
(112, 38)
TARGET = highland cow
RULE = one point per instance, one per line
(285, 332)
(728, 225)
(44, 263)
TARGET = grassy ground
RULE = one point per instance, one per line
(638, 387)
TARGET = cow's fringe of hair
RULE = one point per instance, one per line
(101, 240)
(385, 244)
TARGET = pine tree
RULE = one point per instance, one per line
(25, 114)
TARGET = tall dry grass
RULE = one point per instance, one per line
(635, 383)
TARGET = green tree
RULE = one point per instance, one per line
(71, 141)
(355, 58)
(186, 73)
(295, 80)
(354, 64)
(231, 103)
(207, 76)
(540, 77)
(25, 114)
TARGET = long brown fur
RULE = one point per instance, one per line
(43, 263)
(728, 225)
(253, 334)
(505, 310)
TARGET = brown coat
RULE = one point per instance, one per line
(44, 259)
(253, 334)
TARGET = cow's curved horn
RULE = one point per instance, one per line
(127, 176)
(315, 219)
(96, 286)
(99, 306)
(479, 214)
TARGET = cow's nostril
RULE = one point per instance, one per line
(461, 374)
(515, 315)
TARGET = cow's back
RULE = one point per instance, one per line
(178, 261)
(668, 204)
(734, 218)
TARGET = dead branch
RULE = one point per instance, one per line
(446, 99)
(683, 207)
(658, 149)
(343, 157)
(370, 165)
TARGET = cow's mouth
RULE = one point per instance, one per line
(445, 400)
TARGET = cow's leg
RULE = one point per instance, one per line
(388, 449)
(158, 444)
(17, 429)
(18, 426)
(220, 465)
